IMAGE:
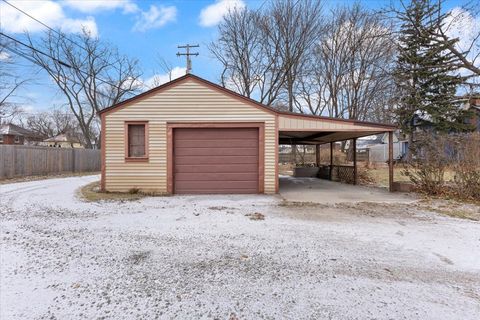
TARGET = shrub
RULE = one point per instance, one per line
(433, 154)
(467, 166)
(429, 161)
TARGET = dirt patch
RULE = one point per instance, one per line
(451, 208)
(91, 192)
(422, 209)
(302, 204)
(374, 209)
(139, 257)
(255, 216)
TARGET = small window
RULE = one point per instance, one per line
(17, 139)
(136, 140)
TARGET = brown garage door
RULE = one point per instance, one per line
(215, 160)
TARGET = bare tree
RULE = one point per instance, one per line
(91, 76)
(263, 51)
(350, 75)
(250, 64)
(9, 85)
(53, 122)
(166, 67)
(295, 27)
(468, 55)
(453, 32)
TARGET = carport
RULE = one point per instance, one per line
(192, 136)
(295, 129)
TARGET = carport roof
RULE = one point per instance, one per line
(334, 130)
(321, 137)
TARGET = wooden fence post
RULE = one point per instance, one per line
(354, 142)
(390, 161)
(331, 160)
(74, 169)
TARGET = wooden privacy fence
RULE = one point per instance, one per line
(21, 161)
(362, 155)
(288, 158)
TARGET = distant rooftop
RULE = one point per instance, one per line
(62, 138)
(12, 129)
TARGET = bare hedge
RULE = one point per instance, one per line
(433, 154)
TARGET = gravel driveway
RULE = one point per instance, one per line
(203, 257)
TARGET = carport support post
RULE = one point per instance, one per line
(390, 161)
(317, 155)
(354, 142)
(331, 160)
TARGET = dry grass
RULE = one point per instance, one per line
(458, 213)
(379, 175)
(461, 214)
(451, 208)
(91, 192)
(50, 176)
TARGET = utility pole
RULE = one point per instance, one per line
(188, 54)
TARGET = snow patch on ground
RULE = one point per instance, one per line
(202, 257)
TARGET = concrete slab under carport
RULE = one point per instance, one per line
(330, 192)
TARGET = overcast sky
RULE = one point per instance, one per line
(140, 29)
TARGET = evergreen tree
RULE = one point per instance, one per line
(426, 74)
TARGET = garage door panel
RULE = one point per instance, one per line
(213, 134)
(216, 191)
(201, 185)
(180, 160)
(202, 176)
(216, 151)
(220, 168)
(216, 160)
(239, 143)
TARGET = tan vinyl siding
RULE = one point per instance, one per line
(293, 123)
(188, 101)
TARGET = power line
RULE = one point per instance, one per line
(42, 23)
(57, 60)
(37, 50)
(60, 34)
(63, 36)
(23, 55)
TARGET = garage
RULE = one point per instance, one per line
(192, 136)
(215, 160)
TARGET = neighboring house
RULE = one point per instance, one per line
(16, 135)
(193, 136)
(473, 103)
(422, 123)
(62, 141)
(377, 147)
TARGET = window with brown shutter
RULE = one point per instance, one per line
(136, 141)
